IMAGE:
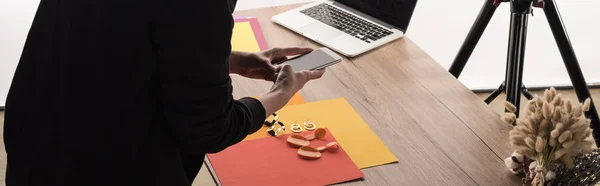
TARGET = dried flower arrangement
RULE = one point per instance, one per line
(550, 132)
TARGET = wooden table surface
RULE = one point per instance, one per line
(441, 132)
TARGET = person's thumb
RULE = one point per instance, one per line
(270, 71)
(315, 74)
(287, 69)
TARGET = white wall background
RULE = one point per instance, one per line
(451, 21)
(438, 27)
(15, 19)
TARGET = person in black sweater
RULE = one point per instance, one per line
(133, 92)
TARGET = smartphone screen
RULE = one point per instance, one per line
(317, 59)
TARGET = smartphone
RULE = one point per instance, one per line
(315, 60)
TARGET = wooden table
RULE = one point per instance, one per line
(441, 132)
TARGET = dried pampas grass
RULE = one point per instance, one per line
(550, 130)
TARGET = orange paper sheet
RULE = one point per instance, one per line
(270, 161)
(296, 99)
(359, 141)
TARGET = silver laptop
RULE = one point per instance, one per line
(350, 27)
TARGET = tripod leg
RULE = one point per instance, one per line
(571, 63)
(516, 52)
(526, 93)
(485, 14)
(494, 94)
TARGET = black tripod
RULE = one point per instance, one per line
(513, 85)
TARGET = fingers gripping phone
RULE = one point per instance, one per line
(315, 60)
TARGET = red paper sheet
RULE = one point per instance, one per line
(271, 161)
(258, 33)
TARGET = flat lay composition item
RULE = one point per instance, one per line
(342, 120)
(306, 151)
(296, 99)
(339, 117)
(247, 35)
(271, 161)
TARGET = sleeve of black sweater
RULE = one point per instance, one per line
(193, 42)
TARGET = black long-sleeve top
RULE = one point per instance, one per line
(112, 92)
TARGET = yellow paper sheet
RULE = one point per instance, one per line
(242, 38)
(354, 135)
(296, 99)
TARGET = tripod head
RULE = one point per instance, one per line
(529, 3)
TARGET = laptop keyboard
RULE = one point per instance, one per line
(346, 22)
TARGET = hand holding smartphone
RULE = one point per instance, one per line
(315, 60)
(290, 79)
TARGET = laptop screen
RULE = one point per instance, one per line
(394, 12)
